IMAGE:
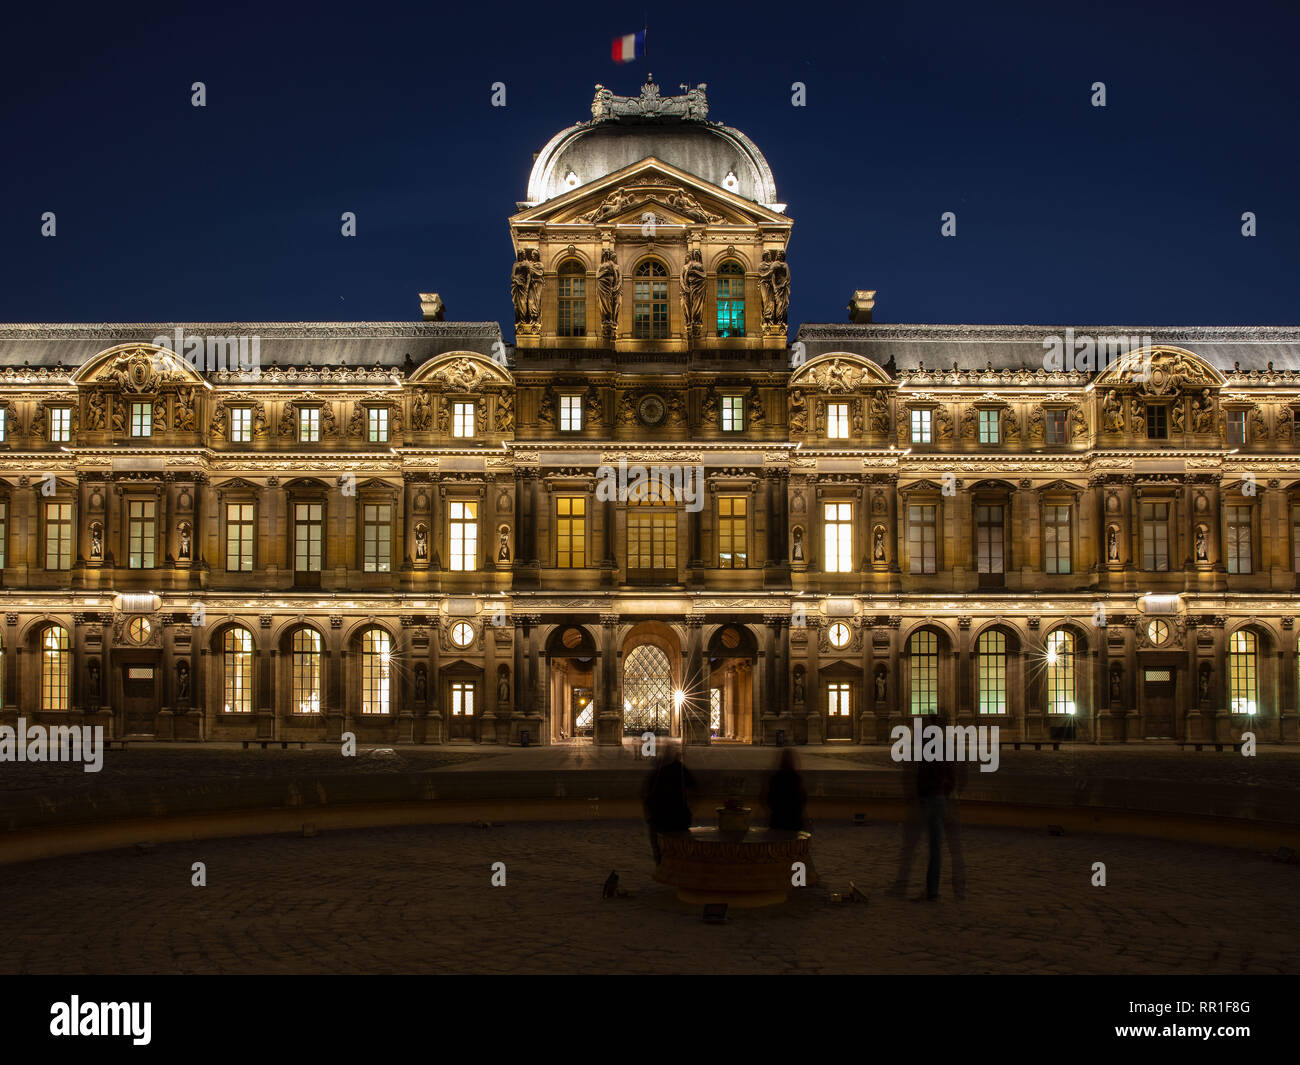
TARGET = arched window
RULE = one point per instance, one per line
(1060, 672)
(306, 672)
(647, 691)
(1243, 672)
(237, 672)
(991, 656)
(376, 672)
(573, 299)
(923, 667)
(731, 299)
(651, 529)
(650, 319)
(56, 668)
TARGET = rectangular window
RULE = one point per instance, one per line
(921, 426)
(142, 528)
(733, 413)
(837, 700)
(920, 537)
(141, 419)
(650, 303)
(463, 535)
(990, 426)
(652, 540)
(307, 537)
(462, 420)
(58, 535)
(732, 553)
(1157, 422)
(1236, 428)
(570, 532)
(1239, 539)
(573, 303)
(731, 301)
(837, 524)
(309, 425)
(239, 537)
(992, 655)
(241, 425)
(4, 534)
(923, 672)
(1056, 539)
(1155, 537)
(4, 423)
(837, 421)
(61, 425)
(570, 413)
(1295, 537)
(378, 417)
(1054, 425)
(462, 699)
(377, 531)
(989, 539)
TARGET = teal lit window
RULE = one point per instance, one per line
(731, 300)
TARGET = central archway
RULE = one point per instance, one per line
(648, 692)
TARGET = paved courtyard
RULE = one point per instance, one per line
(419, 900)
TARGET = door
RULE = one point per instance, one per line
(839, 723)
(139, 699)
(1158, 703)
(582, 711)
(462, 710)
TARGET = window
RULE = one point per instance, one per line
(570, 413)
(306, 672)
(241, 425)
(142, 533)
(463, 535)
(1243, 672)
(378, 418)
(650, 303)
(1157, 422)
(1239, 539)
(837, 421)
(61, 425)
(56, 668)
(923, 671)
(4, 537)
(989, 539)
(309, 425)
(1236, 428)
(141, 419)
(839, 635)
(237, 672)
(377, 536)
(651, 529)
(990, 426)
(376, 672)
(462, 634)
(731, 300)
(991, 653)
(648, 701)
(921, 550)
(1295, 537)
(138, 631)
(732, 553)
(573, 300)
(733, 413)
(462, 420)
(1155, 536)
(4, 423)
(462, 698)
(1060, 672)
(1056, 538)
(921, 426)
(570, 532)
(58, 535)
(837, 700)
(239, 536)
(837, 526)
(1054, 426)
(307, 537)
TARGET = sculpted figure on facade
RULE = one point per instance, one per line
(879, 411)
(693, 278)
(1203, 412)
(798, 412)
(757, 415)
(546, 411)
(357, 423)
(774, 290)
(444, 416)
(505, 413)
(421, 411)
(96, 410)
(1112, 417)
(1010, 424)
(595, 412)
(1177, 416)
(159, 415)
(288, 418)
(609, 286)
(526, 289)
(118, 418)
(185, 416)
(328, 426)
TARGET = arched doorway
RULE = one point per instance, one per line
(733, 653)
(571, 654)
(649, 704)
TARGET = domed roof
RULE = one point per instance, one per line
(626, 129)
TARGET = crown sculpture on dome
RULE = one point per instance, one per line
(693, 106)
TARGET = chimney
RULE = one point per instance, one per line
(861, 306)
(431, 307)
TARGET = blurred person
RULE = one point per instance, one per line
(664, 798)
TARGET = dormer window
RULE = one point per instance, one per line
(650, 320)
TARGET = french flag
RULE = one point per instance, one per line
(628, 48)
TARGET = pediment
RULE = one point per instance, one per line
(1161, 371)
(137, 369)
(838, 372)
(237, 485)
(462, 371)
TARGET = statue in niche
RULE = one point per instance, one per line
(1177, 413)
(693, 279)
(1203, 683)
(1203, 412)
(1202, 546)
(709, 411)
(118, 420)
(798, 411)
(503, 688)
(328, 426)
(92, 684)
(96, 541)
(524, 279)
(609, 286)
(1114, 685)
(184, 417)
(159, 415)
(182, 683)
(503, 548)
(757, 415)
(444, 418)
(796, 552)
(878, 544)
(96, 410)
(505, 412)
(1112, 413)
(421, 543)
(421, 684)
(1112, 544)
(798, 688)
(185, 540)
(882, 685)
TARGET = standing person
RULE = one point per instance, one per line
(664, 798)
(927, 788)
(935, 781)
(785, 796)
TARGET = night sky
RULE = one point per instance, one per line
(1066, 213)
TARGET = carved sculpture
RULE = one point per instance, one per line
(798, 412)
(879, 412)
(505, 413)
(693, 279)
(1112, 415)
(606, 107)
(288, 417)
(609, 285)
(546, 411)
(185, 416)
(328, 426)
(357, 423)
(594, 413)
(118, 419)
(526, 289)
(757, 416)
(96, 410)
(422, 410)
(444, 417)
(1203, 412)
(774, 290)
(1177, 416)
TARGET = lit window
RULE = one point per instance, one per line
(307, 537)
(1295, 537)
(650, 305)
(1243, 673)
(570, 532)
(990, 426)
(990, 539)
(1155, 537)
(237, 673)
(837, 421)
(462, 699)
(462, 634)
(1060, 672)
(142, 533)
(733, 413)
(463, 530)
(837, 700)
(1056, 545)
(921, 426)
(1236, 420)
(923, 671)
(570, 413)
(921, 549)
(61, 424)
(651, 530)
(1158, 631)
(1239, 539)
(4, 535)
(1054, 426)
(4, 423)
(377, 532)
(239, 536)
(573, 300)
(732, 552)
(378, 425)
(462, 420)
(839, 635)
(141, 419)
(376, 672)
(991, 651)
(241, 425)
(56, 669)
(731, 300)
(58, 535)
(309, 425)
(306, 697)
(837, 522)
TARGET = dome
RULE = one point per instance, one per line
(626, 129)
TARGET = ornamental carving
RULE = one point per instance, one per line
(526, 290)
(774, 290)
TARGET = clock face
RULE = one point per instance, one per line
(651, 410)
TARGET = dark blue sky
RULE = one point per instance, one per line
(1066, 213)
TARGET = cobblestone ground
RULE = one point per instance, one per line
(419, 900)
